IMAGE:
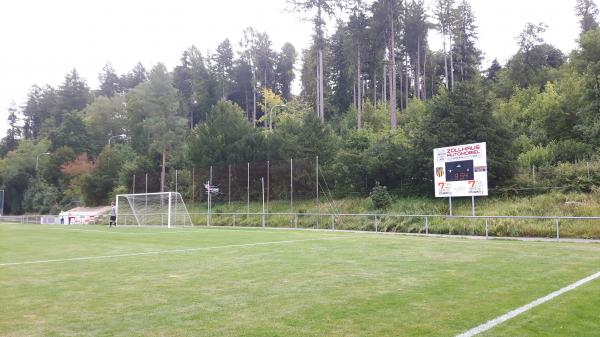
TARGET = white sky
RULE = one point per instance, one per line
(43, 40)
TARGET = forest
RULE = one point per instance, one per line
(375, 101)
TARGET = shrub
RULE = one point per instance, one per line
(570, 151)
(380, 197)
(538, 156)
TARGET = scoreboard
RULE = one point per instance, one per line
(460, 171)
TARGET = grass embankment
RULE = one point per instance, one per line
(551, 204)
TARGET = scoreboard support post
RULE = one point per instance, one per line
(450, 204)
(473, 205)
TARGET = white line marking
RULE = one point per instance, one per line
(183, 250)
(499, 320)
(111, 231)
(169, 231)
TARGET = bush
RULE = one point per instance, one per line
(538, 156)
(380, 197)
(570, 151)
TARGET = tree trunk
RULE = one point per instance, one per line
(375, 87)
(407, 81)
(354, 104)
(191, 114)
(400, 68)
(418, 70)
(451, 64)
(393, 116)
(425, 75)
(223, 85)
(359, 91)
(384, 86)
(319, 42)
(253, 98)
(318, 89)
(462, 58)
(164, 167)
(321, 101)
(445, 58)
(246, 103)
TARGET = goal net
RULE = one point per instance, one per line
(152, 209)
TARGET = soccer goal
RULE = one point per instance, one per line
(152, 209)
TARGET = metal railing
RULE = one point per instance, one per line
(24, 219)
(379, 222)
(588, 227)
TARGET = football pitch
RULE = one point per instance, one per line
(92, 281)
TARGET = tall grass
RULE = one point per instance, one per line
(550, 204)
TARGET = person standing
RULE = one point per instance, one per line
(113, 215)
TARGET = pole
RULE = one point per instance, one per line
(209, 195)
(450, 203)
(248, 191)
(145, 202)
(176, 181)
(169, 212)
(473, 205)
(317, 180)
(193, 184)
(292, 185)
(533, 173)
(133, 185)
(268, 182)
(116, 211)
(229, 187)
(262, 182)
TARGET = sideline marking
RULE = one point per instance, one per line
(116, 231)
(499, 320)
(183, 250)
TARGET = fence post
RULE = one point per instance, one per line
(332, 222)
(291, 185)
(317, 181)
(262, 183)
(376, 225)
(234, 220)
(295, 220)
(248, 191)
(426, 225)
(486, 229)
(557, 229)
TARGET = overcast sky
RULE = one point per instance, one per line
(43, 40)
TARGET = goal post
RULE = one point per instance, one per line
(152, 209)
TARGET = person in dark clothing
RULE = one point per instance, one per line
(113, 216)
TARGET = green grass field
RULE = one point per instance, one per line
(91, 281)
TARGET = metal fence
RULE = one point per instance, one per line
(584, 227)
(24, 219)
(557, 227)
